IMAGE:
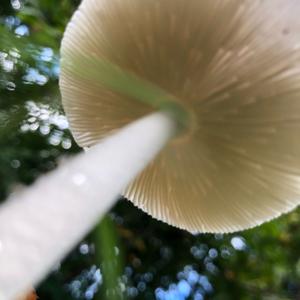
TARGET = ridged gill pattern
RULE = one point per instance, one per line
(235, 65)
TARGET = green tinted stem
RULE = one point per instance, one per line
(124, 82)
(109, 258)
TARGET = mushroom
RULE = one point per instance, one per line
(232, 70)
(223, 75)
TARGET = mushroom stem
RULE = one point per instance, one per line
(41, 225)
(116, 79)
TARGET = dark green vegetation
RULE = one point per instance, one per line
(129, 255)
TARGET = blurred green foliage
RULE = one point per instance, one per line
(129, 255)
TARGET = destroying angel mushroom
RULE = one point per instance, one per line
(225, 74)
(232, 66)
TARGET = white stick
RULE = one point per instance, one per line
(41, 225)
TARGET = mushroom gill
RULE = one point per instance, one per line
(235, 68)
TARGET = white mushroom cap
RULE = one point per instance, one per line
(235, 67)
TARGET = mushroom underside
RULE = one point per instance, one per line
(234, 65)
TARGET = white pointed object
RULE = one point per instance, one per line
(234, 66)
(41, 225)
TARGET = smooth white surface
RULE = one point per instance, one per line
(41, 225)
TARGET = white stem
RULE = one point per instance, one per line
(41, 225)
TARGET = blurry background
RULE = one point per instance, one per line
(129, 255)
